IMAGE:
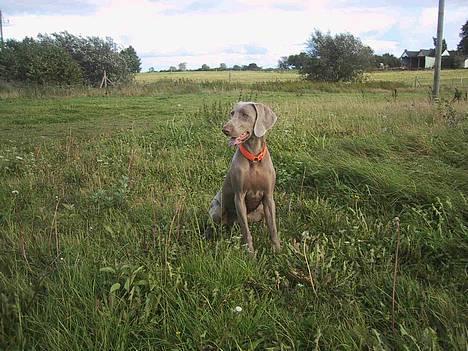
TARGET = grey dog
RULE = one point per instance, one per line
(247, 192)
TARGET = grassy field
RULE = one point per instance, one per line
(449, 78)
(232, 76)
(103, 200)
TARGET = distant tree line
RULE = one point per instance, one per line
(63, 58)
(204, 67)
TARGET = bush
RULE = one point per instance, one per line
(63, 58)
(38, 62)
(94, 55)
(339, 58)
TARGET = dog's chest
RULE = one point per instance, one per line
(257, 179)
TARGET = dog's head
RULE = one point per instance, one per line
(248, 119)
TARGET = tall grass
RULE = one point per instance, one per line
(103, 200)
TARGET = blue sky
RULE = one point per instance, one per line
(165, 32)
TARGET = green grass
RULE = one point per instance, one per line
(232, 76)
(450, 78)
(103, 200)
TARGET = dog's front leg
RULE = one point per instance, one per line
(241, 210)
(270, 218)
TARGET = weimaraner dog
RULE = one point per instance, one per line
(247, 192)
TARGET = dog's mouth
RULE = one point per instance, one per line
(233, 141)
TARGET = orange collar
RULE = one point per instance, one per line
(251, 157)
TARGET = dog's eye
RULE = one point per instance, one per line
(232, 113)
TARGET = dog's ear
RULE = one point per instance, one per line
(266, 118)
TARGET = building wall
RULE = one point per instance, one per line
(430, 62)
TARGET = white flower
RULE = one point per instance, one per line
(15, 192)
(238, 309)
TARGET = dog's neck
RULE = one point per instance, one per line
(254, 144)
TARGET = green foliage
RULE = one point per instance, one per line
(342, 57)
(63, 58)
(38, 62)
(132, 60)
(463, 44)
(299, 61)
(94, 55)
(387, 60)
(251, 67)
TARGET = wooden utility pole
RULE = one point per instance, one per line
(438, 54)
(1, 30)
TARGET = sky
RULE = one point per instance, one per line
(166, 33)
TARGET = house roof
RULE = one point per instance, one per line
(426, 52)
(408, 53)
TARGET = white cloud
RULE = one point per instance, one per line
(235, 32)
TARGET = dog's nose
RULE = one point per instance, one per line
(227, 130)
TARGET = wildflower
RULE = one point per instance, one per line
(15, 192)
(238, 309)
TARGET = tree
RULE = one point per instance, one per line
(236, 68)
(205, 67)
(222, 67)
(299, 61)
(131, 58)
(172, 68)
(387, 60)
(151, 70)
(283, 63)
(35, 61)
(462, 46)
(251, 67)
(93, 54)
(342, 57)
(444, 44)
(182, 66)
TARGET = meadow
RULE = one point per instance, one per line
(104, 197)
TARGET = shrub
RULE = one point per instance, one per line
(339, 58)
(38, 62)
